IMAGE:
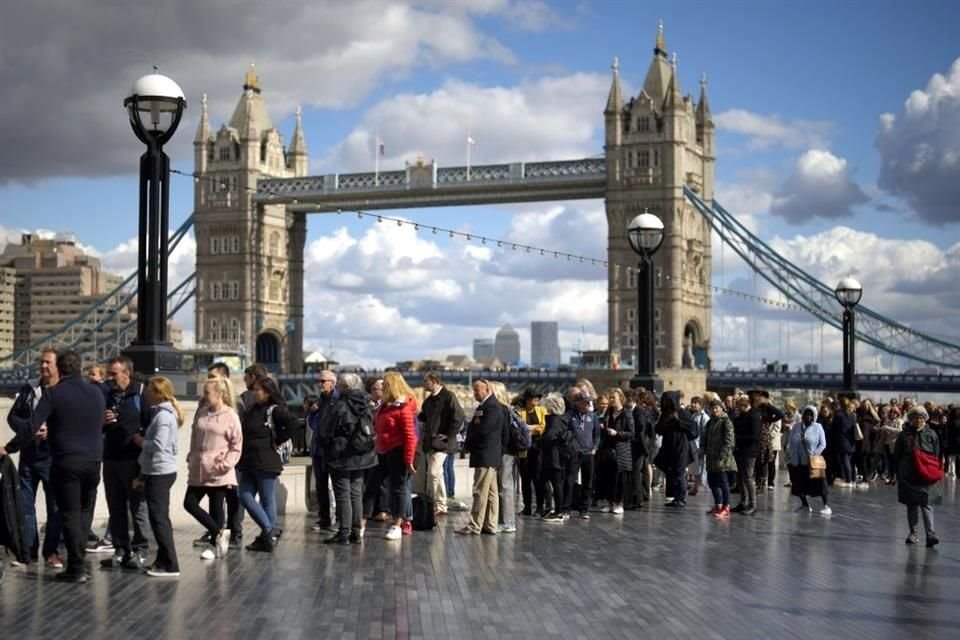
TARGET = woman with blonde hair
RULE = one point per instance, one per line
(614, 455)
(396, 445)
(158, 466)
(216, 443)
(507, 473)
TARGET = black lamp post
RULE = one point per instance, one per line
(645, 233)
(155, 106)
(848, 294)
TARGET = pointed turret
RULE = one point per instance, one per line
(658, 75)
(704, 116)
(297, 153)
(251, 82)
(248, 128)
(250, 108)
(615, 99)
(674, 98)
(204, 132)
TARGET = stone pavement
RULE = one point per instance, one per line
(651, 574)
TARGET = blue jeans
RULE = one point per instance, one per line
(264, 513)
(32, 475)
(449, 476)
(720, 487)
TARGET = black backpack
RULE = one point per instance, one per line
(424, 513)
(519, 436)
(361, 440)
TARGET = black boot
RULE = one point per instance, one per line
(263, 542)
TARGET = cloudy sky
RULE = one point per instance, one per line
(838, 143)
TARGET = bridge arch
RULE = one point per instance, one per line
(696, 354)
(269, 350)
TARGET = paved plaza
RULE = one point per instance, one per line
(651, 574)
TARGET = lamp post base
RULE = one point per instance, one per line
(648, 381)
(158, 359)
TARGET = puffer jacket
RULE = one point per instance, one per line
(909, 490)
(216, 443)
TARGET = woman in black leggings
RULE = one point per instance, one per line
(555, 460)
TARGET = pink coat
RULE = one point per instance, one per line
(216, 441)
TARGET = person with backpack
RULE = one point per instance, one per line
(614, 454)
(127, 416)
(349, 452)
(919, 486)
(516, 442)
(441, 416)
(266, 425)
(558, 449)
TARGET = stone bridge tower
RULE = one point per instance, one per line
(249, 258)
(656, 143)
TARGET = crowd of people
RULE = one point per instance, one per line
(389, 457)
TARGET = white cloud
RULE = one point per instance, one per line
(771, 131)
(920, 149)
(820, 187)
(551, 119)
(323, 54)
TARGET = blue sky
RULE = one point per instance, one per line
(798, 90)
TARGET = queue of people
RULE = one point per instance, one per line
(550, 457)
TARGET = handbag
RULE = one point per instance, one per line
(926, 465)
(857, 432)
(818, 467)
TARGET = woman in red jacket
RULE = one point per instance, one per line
(396, 444)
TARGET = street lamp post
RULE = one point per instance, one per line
(848, 293)
(155, 106)
(645, 234)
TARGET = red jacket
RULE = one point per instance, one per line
(395, 428)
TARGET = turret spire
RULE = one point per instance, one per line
(661, 46)
(298, 145)
(204, 132)
(703, 107)
(615, 98)
(674, 96)
(251, 82)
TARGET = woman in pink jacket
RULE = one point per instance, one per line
(216, 441)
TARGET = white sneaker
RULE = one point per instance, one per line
(208, 554)
(826, 510)
(617, 510)
(223, 543)
(804, 508)
(393, 533)
(607, 509)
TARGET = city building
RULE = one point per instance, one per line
(7, 286)
(249, 258)
(482, 348)
(506, 345)
(53, 282)
(544, 344)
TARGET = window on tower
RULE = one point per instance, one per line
(644, 124)
(235, 244)
(631, 278)
(224, 153)
(214, 245)
(644, 159)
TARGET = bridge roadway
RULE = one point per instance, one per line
(297, 386)
(657, 573)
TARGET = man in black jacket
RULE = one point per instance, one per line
(485, 436)
(34, 467)
(126, 416)
(679, 430)
(442, 417)
(73, 412)
(748, 429)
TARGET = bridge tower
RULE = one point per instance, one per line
(249, 257)
(656, 143)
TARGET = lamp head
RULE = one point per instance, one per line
(155, 105)
(645, 233)
(848, 292)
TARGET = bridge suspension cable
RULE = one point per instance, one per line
(818, 299)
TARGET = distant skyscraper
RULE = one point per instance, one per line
(544, 344)
(506, 347)
(482, 348)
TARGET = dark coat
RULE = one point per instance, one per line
(843, 427)
(259, 443)
(133, 416)
(951, 445)
(441, 414)
(73, 410)
(644, 432)
(11, 511)
(351, 412)
(718, 443)
(551, 443)
(909, 491)
(748, 428)
(36, 451)
(618, 447)
(678, 429)
(486, 433)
